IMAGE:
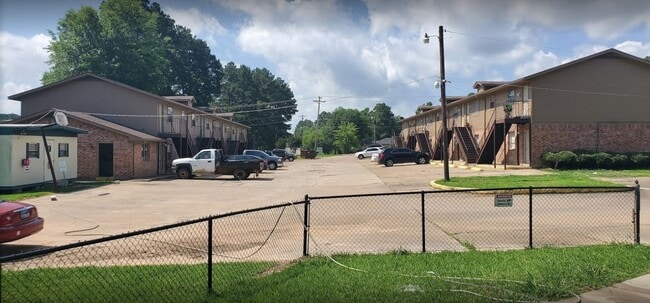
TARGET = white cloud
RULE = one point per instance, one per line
(329, 49)
(22, 62)
(199, 23)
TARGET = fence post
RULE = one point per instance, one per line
(305, 235)
(424, 236)
(210, 256)
(530, 217)
(637, 213)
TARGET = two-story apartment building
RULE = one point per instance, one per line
(171, 124)
(600, 103)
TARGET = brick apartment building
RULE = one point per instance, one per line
(131, 133)
(599, 103)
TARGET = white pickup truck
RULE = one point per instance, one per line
(211, 162)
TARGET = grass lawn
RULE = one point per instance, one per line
(555, 178)
(49, 190)
(474, 276)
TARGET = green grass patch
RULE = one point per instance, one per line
(605, 173)
(41, 191)
(557, 179)
(474, 276)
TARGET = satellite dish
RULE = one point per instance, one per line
(60, 118)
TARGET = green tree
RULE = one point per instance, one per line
(136, 43)
(78, 46)
(260, 100)
(193, 69)
(346, 137)
(385, 121)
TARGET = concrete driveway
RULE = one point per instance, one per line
(140, 204)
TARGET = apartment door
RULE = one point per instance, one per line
(105, 159)
(526, 146)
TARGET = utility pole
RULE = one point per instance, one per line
(319, 101)
(445, 155)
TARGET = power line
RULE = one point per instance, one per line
(510, 41)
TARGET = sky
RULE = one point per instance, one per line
(356, 54)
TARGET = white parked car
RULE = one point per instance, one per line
(368, 152)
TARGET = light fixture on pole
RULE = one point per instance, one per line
(443, 101)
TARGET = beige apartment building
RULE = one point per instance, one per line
(599, 103)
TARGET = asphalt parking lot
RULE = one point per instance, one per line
(140, 204)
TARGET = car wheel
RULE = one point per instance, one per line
(240, 174)
(389, 162)
(273, 165)
(291, 159)
(360, 157)
(421, 160)
(184, 173)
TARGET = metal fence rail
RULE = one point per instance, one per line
(188, 258)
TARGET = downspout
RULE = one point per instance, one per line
(133, 162)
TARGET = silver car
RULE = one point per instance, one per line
(272, 162)
(368, 152)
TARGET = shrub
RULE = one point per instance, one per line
(619, 161)
(550, 159)
(640, 160)
(566, 159)
(603, 160)
(586, 161)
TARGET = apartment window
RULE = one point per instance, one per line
(32, 150)
(513, 140)
(492, 103)
(64, 150)
(207, 125)
(170, 113)
(145, 151)
(193, 120)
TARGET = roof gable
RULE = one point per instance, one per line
(165, 100)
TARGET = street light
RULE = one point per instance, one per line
(443, 101)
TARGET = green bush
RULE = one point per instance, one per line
(619, 161)
(603, 160)
(586, 161)
(595, 160)
(640, 160)
(566, 159)
(550, 159)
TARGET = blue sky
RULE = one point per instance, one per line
(356, 54)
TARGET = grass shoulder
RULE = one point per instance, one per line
(41, 191)
(554, 178)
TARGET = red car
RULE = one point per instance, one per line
(18, 220)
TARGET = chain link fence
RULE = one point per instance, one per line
(185, 261)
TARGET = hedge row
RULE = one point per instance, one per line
(591, 160)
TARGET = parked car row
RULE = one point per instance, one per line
(212, 162)
(391, 156)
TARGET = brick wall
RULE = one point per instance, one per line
(606, 137)
(127, 156)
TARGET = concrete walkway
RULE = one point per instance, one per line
(631, 291)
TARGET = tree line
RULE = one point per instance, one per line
(135, 42)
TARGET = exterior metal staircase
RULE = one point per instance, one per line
(423, 142)
(492, 142)
(467, 144)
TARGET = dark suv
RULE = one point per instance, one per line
(391, 156)
(285, 155)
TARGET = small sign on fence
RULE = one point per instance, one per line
(503, 200)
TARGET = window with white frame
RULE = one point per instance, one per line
(513, 140)
(32, 150)
(64, 150)
(145, 151)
